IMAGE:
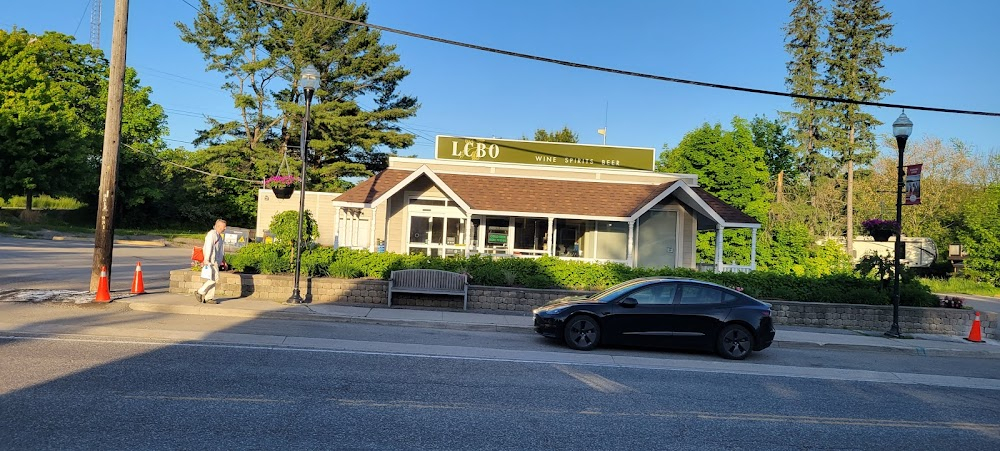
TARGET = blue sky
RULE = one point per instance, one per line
(951, 61)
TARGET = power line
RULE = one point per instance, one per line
(259, 182)
(85, 9)
(626, 72)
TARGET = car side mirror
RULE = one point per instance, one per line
(628, 302)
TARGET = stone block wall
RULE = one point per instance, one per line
(955, 322)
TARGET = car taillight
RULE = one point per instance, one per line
(765, 313)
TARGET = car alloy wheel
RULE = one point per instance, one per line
(735, 342)
(582, 332)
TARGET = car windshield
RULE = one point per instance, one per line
(617, 290)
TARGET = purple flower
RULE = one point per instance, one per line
(281, 181)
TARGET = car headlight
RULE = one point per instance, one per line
(549, 311)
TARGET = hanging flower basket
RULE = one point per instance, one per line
(880, 229)
(286, 192)
(282, 185)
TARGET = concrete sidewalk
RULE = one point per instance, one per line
(787, 336)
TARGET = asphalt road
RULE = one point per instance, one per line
(226, 383)
(65, 265)
(128, 395)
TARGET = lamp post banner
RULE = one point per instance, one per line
(912, 194)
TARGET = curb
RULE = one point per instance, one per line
(145, 243)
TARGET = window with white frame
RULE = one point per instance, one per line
(354, 232)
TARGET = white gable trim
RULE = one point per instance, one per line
(694, 201)
(423, 170)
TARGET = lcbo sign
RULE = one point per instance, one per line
(544, 153)
(475, 150)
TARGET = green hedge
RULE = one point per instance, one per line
(551, 272)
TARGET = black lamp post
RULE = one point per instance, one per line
(901, 129)
(309, 80)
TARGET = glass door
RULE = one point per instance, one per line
(436, 235)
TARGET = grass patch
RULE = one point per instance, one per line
(12, 223)
(961, 285)
(42, 202)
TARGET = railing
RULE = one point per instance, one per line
(710, 267)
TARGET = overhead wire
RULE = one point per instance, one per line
(627, 72)
(259, 182)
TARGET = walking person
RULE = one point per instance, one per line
(213, 250)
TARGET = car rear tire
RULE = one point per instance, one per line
(735, 342)
(582, 333)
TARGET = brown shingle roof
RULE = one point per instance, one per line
(726, 211)
(374, 187)
(543, 196)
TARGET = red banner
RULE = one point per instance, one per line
(912, 194)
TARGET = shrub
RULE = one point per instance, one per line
(264, 258)
(316, 262)
(344, 270)
(285, 227)
(550, 272)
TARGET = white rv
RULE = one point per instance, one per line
(919, 252)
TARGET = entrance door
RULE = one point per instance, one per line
(656, 243)
(436, 235)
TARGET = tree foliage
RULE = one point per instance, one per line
(562, 136)
(46, 114)
(261, 50)
(805, 44)
(52, 123)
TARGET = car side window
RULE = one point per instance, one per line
(700, 294)
(656, 294)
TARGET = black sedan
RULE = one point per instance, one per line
(661, 311)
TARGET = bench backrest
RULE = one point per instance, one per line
(429, 278)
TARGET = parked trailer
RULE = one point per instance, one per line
(919, 252)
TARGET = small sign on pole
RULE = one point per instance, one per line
(912, 193)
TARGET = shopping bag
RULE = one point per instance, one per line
(206, 272)
(198, 255)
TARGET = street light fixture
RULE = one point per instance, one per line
(309, 80)
(901, 129)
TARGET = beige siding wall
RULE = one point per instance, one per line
(319, 204)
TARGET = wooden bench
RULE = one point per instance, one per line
(429, 281)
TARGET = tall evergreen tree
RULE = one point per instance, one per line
(261, 50)
(858, 31)
(804, 44)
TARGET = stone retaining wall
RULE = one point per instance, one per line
(956, 322)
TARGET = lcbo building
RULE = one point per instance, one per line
(514, 198)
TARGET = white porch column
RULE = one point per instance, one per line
(373, 222)
(552, 237)
(630, 252)
(468, 234)
(336, 228)
(753, 249)
(718, 247)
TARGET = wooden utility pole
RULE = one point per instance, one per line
(104, 236)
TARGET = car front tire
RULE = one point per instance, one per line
(582, 333)
(735, 342)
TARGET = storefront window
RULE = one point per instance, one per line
(497, 231)
(570, 238)
(531, 236)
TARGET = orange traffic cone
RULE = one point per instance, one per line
(103, 293)
(976, 334)
(137, 286)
